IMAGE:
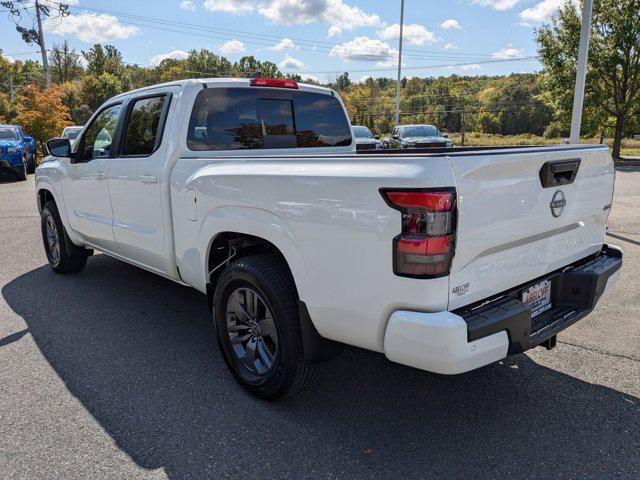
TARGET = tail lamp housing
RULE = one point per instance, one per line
(426, 244)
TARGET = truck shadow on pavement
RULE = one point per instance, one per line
(139, 353)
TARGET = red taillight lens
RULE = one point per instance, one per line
(425, 247)
(433, 201)
(273, 82)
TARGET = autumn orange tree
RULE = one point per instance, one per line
(42, 113)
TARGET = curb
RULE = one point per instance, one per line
(632, 162)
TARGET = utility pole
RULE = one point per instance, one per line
(43, 49)
(399, 63)
(581, 71)
(34, 32)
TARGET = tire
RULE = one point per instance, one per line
(21, 171)
(31, 164)
(63, 255)
(277, 368)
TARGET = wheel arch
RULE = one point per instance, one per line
(254, 232)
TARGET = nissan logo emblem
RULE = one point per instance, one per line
(558, 202)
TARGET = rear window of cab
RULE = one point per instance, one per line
(255, 118)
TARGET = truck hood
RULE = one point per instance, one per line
(425, 139)
(367, 141)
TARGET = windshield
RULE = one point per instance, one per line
(362, 132)
(420, 131)
(8, 134)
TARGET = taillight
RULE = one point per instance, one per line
(273, 82)
(425, 247)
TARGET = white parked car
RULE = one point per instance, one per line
(252, 192)
(365, 140)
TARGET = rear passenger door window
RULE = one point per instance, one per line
(143, 131)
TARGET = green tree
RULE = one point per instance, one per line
(95, 90)
(107, 59)
(613, 79)
(65, 64)
(343, 83)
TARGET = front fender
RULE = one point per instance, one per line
(49, 177)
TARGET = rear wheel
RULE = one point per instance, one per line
(21, 170)
(258, 327)
(63, 255)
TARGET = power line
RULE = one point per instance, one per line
(226, 33)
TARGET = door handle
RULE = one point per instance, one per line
(148, 178)
(101, 175)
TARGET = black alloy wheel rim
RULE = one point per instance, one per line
(251, 331)
(53, 240)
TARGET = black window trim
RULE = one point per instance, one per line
(130, 103)
(81, 143)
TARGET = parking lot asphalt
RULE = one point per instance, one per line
(115, 373)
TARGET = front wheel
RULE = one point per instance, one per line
(258, 327)
(63, 255)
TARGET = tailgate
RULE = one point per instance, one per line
(512, 229)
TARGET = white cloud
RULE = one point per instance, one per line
(232, 46)
(187, 5)
(451, 23)
(306, 77)
(450, 46)
(236, 7)
(290, 62)
(497, 4)
(8, 58)
(177, 54)
(471, 67)
(91, 27)
(285, 44)
(413, 34)
(335, 13)
(366, 49)
(507, 53)
(541, 12)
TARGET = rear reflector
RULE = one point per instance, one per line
(425, 247)
(273, 82)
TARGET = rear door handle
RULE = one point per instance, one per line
(101, 175)
(148, 178)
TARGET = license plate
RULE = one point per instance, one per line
(538, 297)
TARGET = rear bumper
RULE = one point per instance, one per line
(468, 338)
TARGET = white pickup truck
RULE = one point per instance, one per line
(252, 192)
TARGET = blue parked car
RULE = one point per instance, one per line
(17, 151)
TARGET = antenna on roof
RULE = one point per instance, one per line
(256, 74)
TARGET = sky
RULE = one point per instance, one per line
(315, 38)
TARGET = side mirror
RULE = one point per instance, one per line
(445, 135)
(395, 137)
(28, 139)
(377, 137)
(59, 147)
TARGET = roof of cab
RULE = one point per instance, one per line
(226, 82)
